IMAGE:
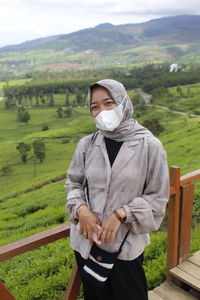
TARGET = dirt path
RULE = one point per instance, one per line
(175, 111)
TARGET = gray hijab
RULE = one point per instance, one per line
(129, 129)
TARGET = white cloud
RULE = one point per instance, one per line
(22, 20)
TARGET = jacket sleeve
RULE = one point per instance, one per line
(145, 213)
(75, 183)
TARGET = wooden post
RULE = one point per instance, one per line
(173, 219)
(187, 194)
(73, 285)
(4, 292)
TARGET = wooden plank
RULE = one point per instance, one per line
(190, 268)
(169, 290)
(190, 177)
(196, 254)
(153, 296)
(73, 285)
(5, 293)
(195, 258)
(187, 195)
(173, 219)
(185, 277)
(34, 241)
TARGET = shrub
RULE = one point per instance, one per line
(154, 126)
(45, 127)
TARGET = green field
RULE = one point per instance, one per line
(60, 141)
(42, 274)
(182, 98)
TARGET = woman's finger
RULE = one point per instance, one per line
(90, 235)
(112, 236)
(99, 232)
(81, 229)
(108, 237)
(85, 234)
(103, 236)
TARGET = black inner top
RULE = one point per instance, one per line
(112, 149)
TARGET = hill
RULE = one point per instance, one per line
(44, 272)
(63, 134)
(108, 36)
(170, 38)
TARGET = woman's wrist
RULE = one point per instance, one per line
(81, 208)
(120, 214)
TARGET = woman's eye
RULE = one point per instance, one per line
(94, 107)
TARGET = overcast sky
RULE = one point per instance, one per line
(22, 20)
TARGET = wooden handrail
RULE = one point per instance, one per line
(190, 177)
(34, 241)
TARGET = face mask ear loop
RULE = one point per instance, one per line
(123, 101)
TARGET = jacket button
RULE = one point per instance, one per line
(99, 258)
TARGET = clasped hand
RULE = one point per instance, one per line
(90, 224)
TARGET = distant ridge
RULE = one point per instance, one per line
(159, 39)
(119, 34)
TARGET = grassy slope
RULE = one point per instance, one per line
(43, 273)
(186, 99)
(60, 142)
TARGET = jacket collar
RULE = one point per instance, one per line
(123, 157)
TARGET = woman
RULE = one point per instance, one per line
(125, 169)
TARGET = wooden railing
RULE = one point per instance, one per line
(179, 228)
(180, 215)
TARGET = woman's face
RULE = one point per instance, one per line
(100, 100)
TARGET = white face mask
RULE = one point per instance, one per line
(109, 120)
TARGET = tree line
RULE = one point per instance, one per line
(149, 78)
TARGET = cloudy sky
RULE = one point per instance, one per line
(22, 20)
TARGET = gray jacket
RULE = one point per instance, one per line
(137, 181)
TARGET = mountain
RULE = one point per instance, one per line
(169, 38)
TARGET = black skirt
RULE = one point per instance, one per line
(126, 281)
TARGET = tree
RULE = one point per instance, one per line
(137, 99)
(23, 115)
(7, 103)
(154, 126)
(79, 97)
(37, 100)
(43, 101)
(179, 90)
(23, 149)
(51, 102)
(6, 170)
(59, 112)
(20, 113)
(39, 150)
(67, 97)
(30, 98)
(26, 116)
